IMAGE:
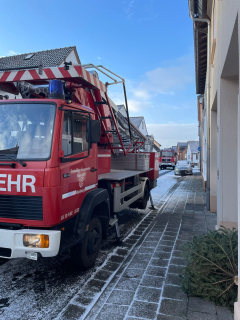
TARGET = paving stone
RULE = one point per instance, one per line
(146, 250)
(128, 284)
(200, 305)
(173, 307)
(178, 261)
(144, 310)
(156, 271)
(130, 242)
(153, 238)
(177, 253)
(84, 298)
(170, 238)
(134, 237)
(102, 275)
(142, 256)
(162, 255)
(121, 297)
(173, 268)
(165, 317)
(73, 312)
(149, 244)
(138, 264)
(174, 292)
(167, 243)
(201, 316)
(148, 294)
(170, 233)
(117, 259)
(151, 281)
(173, 279)
(111, 266)
(224, 313)
(133, 273)
(159, 262)
(122, 252)
(163, 249)
(95, 285)
(110, 312)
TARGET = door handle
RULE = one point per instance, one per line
(93, 169)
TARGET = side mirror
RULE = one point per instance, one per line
(95, 131)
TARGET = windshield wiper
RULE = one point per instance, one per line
(14, 159)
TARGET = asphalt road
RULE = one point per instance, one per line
(40, 289)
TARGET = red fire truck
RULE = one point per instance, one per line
(167, 159)
(69, 162)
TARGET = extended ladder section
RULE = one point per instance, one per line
(121, 136)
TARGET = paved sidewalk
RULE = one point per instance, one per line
(146, 282)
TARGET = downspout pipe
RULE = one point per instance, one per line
(208, 102)
(200, 131)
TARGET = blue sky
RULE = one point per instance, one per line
(149, 43)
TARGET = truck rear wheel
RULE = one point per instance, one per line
(143, 202)
(84, 254)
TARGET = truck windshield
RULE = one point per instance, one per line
(27, 128)
(167, 154)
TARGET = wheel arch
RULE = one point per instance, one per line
(95, 204)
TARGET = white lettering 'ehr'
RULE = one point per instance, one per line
(17, 183)
(30, 184)
(3, 181)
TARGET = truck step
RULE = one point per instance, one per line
(113, 221)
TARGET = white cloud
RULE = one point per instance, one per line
(129, 9)
(170, 133)
(99, 58)
(166, 80)
(12, 53)
(137, 106)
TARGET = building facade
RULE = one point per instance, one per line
(192, 152)
(181, 150)
(216, 41)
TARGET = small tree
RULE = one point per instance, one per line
(212, 271)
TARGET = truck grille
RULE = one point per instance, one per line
(21, 207)
(5, 252)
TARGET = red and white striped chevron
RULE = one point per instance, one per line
(75, 71)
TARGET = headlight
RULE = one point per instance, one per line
(36, 240)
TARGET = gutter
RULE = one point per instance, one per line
(208, 100)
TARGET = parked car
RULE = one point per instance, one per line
(183, 168)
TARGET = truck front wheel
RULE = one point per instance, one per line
(84, 254)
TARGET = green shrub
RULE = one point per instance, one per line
(212, 267)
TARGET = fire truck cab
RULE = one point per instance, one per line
(167, 159)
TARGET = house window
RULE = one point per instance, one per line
(196, 156)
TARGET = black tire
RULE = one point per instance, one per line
(84, 254)
(143, 202)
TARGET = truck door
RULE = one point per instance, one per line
(78, 176)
